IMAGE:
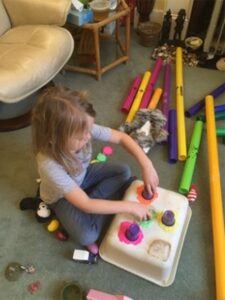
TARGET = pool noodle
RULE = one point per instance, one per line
(131, 95)
(138, 97)
(220, 131)
(155, 98)
(181, 133)
(166, 93)
(219, 108)
(216, 199)
(201, 103)
(150, 87)
(172, 139)
(190, 163)
(218, 116)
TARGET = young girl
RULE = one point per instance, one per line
(81, 193)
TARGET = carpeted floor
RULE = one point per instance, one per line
(24, 240)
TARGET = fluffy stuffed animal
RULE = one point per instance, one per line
(147, 128)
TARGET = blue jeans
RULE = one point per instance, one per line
(102, 181)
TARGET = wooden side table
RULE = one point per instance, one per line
(122, 11)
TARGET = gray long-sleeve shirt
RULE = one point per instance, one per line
(55, 181)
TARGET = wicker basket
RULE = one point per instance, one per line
(149, 33)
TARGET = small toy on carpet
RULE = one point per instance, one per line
(103, 155)
(99, 295)
(44, 214)
(84, 256)
(34, 287)
(192, 194)
(72, 290)
(14, 270)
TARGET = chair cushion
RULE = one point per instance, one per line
(30, 56)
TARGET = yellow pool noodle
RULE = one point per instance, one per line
(155, 98)
(216, 199)
(138, 97)
(181, 132)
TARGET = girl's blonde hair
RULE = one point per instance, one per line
(58, 114)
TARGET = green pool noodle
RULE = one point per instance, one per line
(218, 116)
(220, 132)
(191, 158)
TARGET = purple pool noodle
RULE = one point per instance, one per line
(219, 108)
(150, 87)
(219, 113)
(173, 156)
(200, 104)
(131, 95)
(166, 93)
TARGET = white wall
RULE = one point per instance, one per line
(161, 6)
(176, 5)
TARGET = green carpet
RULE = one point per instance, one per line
(24, 240)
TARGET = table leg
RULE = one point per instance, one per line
(97, 53)
(127, 34)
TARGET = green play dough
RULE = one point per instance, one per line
(101, 157)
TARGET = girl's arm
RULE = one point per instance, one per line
(102, 206)
(149, 173)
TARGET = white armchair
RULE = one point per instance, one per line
(33, 49)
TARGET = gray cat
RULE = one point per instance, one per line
(147, 128)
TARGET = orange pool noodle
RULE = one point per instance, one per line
(155, 98)
(216, 200)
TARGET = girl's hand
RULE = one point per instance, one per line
(149, 173)
(150, 178)
(138, 210)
